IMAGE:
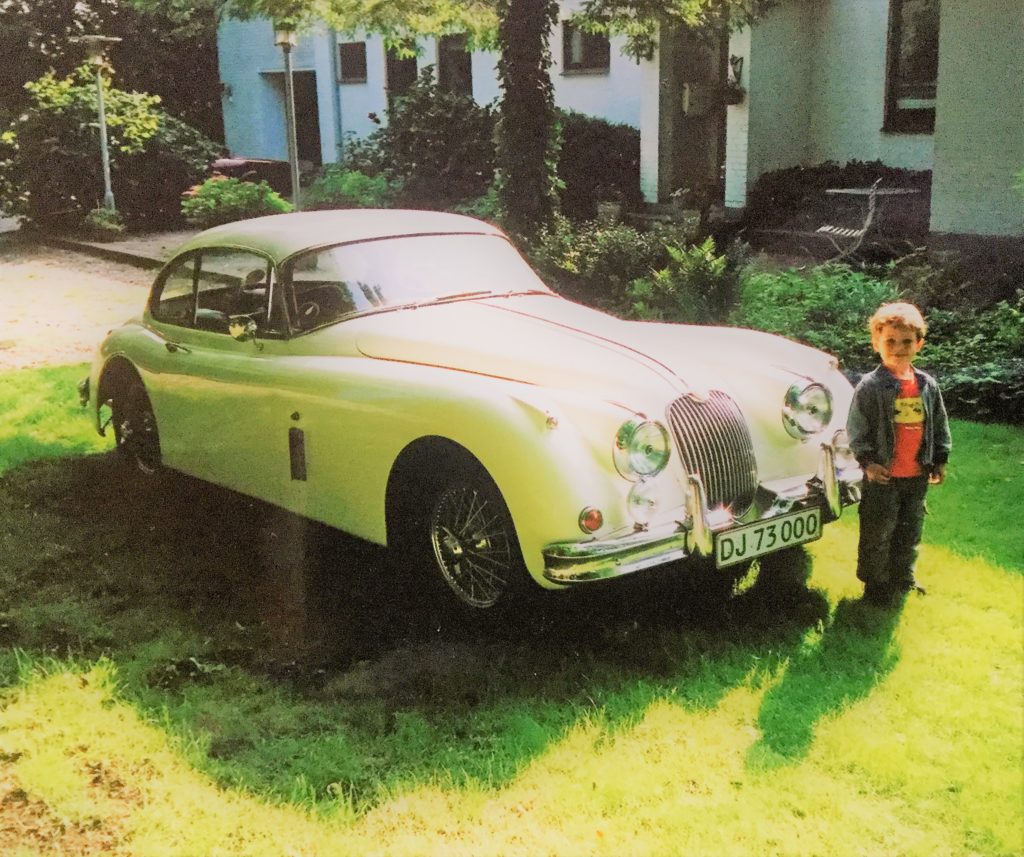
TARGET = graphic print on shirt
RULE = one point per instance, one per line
(908, 421)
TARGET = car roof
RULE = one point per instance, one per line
(281, 235)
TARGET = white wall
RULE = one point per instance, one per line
(848, 88)
(815, 77)
(252, 70)
(979, 130)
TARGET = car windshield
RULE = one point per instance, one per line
(332, 282)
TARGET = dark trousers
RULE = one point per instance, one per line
(891, 520)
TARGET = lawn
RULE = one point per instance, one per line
(154, 698)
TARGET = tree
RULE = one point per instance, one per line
(519, 29)
(168, 48)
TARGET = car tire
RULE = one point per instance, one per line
(463, 536)
(135, 429)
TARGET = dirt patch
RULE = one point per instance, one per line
(57, 305)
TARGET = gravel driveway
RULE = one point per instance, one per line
(56, 305)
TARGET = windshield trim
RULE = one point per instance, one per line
(286, 276)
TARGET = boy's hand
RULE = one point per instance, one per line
(877, 473)
(938, 475)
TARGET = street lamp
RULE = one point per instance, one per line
(95, 46)
(286, 40)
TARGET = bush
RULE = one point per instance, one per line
(779, 196)
(592, 148)
(52, 152)
(827, 307)
(594, 261)
(989, 392)
(438, 147)
(222, 200)
(102, 224)
(338, 187)
(698, 286)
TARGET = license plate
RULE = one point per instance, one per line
(752, 540)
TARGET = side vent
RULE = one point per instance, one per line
(297, 453)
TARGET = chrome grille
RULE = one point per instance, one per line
(713, 442)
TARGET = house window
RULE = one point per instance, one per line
(582, 51)
(454, 65)
(400, 73)
(913, 65)
(352, 62)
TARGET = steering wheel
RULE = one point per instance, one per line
(308, 313)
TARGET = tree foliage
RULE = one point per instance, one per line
(168, 47)
(51, 153)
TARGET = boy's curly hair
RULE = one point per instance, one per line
(901, 314)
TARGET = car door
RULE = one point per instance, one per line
(218, 392)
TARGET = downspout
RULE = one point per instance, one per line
(339, 143)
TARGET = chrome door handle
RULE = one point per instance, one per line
(174, 348)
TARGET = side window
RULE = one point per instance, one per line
(172, 301)
(235, 282)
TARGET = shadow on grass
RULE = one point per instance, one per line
(854, 654)
(302, 656)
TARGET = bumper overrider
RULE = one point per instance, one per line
(831, 489)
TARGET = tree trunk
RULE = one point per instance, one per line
(527, 145)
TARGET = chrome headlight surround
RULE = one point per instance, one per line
(806, 410)
(641, 449)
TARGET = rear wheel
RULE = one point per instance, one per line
(135, 427)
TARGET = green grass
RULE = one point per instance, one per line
(153, 699)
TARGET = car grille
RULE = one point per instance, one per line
(714, 443)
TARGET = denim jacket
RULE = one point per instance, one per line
(871, 426)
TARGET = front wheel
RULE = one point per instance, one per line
(135, 427)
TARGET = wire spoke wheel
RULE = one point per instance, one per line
(135, 429)
(471, 535)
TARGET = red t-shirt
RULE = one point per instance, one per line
(908, 420)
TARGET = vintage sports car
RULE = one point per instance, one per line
(406, 377)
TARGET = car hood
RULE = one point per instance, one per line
(546, 340)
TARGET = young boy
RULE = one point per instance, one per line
(899, 433)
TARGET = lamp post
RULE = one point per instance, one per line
(286, 40)
(95, 45)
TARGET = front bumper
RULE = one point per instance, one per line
(599, 559)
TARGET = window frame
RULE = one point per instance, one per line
(195, 257)
(902, 120)
(348, 78)
(590, 44)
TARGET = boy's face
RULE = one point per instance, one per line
(897, 346)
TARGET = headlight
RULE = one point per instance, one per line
(641, 449)
(844, 457)
(807, 410)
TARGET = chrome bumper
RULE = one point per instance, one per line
(600, 559)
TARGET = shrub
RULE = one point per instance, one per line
(438, 146)
(53, 153)
(827, 307)
(598, 159)
(594, 261)
(102, 224)
(696, 286)
(222, 200)
(989, 392)
(338, 187)
(778, 196)
(486, 207)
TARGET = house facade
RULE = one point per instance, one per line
(920, 84)
(343, 82)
